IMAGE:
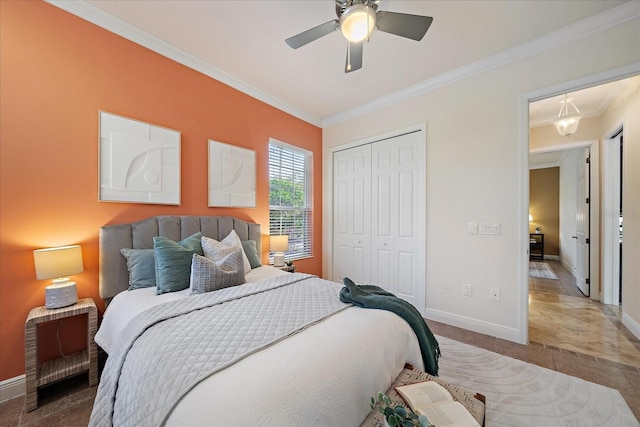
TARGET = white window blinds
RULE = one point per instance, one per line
(290, 197)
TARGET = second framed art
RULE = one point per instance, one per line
(232, 176)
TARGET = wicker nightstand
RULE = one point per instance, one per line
(39, 374)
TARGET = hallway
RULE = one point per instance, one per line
(562, 318)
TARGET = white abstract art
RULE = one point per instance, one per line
(139, 162)
(232, 176)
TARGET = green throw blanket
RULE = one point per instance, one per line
(370, 296)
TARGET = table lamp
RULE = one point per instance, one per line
(278, 245)
(55, 263)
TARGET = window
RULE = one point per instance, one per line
(290, 197)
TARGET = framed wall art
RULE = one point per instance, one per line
(232, 176)
(139, 162)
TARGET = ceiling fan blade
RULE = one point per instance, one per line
(403, 24)
(313, 34)
(354, 57)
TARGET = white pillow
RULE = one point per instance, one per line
(215, 250)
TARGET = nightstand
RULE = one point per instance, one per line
(290, 268)
(39, 374)
(536, 246)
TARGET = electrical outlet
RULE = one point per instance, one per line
(467, 291)
(494, 294)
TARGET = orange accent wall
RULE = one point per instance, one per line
(56, 72)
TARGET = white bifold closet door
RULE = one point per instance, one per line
(352, 214)
(379, 215)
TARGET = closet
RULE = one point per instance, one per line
(379, 215)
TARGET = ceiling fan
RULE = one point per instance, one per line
(356, 20)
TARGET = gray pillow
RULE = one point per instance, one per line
(215, 250)
(173, 262)
(208, 275)
(141, 264)
(251, 252)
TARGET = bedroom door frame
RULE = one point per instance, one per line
(593, 146)
(523, 183)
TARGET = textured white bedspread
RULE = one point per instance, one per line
(128, 304)
(322, 376)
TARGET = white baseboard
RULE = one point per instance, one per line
(12, 388)
(482, 327)
(631, 324)
(568, 266)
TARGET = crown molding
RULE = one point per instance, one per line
(117, 26)
(603, 20)
(593, 24)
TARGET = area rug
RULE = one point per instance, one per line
(541, 270)
(522, 394)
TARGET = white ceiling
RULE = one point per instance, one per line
(242, 44)
(590, 101)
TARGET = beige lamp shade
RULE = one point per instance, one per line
(55, 263)
(278, 245)
(52, 263)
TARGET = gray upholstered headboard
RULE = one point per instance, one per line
(114, 276)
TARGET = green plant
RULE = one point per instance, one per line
(398, 416)
(289, 263)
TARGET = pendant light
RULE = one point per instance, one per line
(568, 117)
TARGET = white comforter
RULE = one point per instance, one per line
(321, 376)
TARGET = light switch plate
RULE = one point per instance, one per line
(473, 228)
(489, 228)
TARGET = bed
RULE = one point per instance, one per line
(320, 371)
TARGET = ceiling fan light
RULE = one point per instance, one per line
(357, 22)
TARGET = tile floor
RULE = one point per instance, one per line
(68, 403)
(560, 316)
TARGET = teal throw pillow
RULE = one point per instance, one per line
(250, 250)
(173, 262)
(142, 267)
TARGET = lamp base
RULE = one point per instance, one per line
(60, 295)
(278, 259)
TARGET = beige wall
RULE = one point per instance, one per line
(544, 206)
(626, 111)
(544, 138)
(477, 171)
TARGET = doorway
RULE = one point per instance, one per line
(560, 208)
(552, 142)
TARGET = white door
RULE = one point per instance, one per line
(398, 216)
(611, 236)
(352, 214)
(582, 224)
